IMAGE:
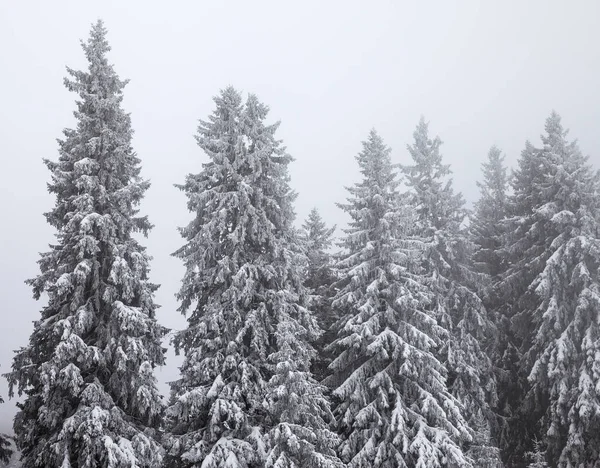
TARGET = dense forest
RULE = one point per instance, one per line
(422, 335)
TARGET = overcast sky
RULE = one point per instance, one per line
(482, 73)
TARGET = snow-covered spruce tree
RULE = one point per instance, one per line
(526, 250)
(563, 358)
(5, 450)
(87, 373)
(245, 398)
(301, 437)
(489, 214)
(317, 240)
(454, 283)
(319, 278)
(393, 407)
(537, 456)
(487, 225)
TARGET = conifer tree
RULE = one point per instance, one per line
(487, 228)
(483, 450)
(317, 240)
(489, 215)
(454, 283)
(561, 361)
(245, 398)
(537, 456)
(525, 251)
(5, 447)
(319, 278)
(87, 373)
(301, 436)
(393, 406)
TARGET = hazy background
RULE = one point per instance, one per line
(482, 73)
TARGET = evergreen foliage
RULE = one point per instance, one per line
(487, 230)
(454, 283)
(393, 406)
(537, 456)
(319, 278)
(87, 373)
(564, 354)
(436, 337)
(317, 241)
(552, 291)
(5, 446)
(488, 216)
(247, 344)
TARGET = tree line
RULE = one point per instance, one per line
(434, 336)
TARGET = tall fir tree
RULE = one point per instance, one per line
(487, 230)
(393, 406)
(455, 284)
(319, 278)
(560, 296)
(489, 215)
(245, 397)
(318, 238)
(87, 373)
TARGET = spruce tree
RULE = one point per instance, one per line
(87, 373)
(489, 214)
(317, 240)
(487, 230)
(393, 406)
(319, 278)
(455, 285)
(245, 397)
(537, 456)
(526, 250)
(484, 450)
(301, 436)
(5, 446)
(562, 361)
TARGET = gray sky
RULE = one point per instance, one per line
(482, 73)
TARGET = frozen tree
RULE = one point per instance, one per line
(453, 281)
(247, 350)
(483, 451)
(302, 437)
(87, 373)
(489, 214)
(393, 406)
(524, 251)
(317, 240)
(563, 358)
(319, 278)
(5, 446)
(537, 456)
(526, 246)
(431, 192)
(487, 226)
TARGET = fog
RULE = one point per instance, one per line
(481, 73)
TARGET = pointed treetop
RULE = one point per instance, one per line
(438, 206)
(100, 81)
(96, 45)
(554, 129)
(425, 150)
(314, 218)
(317, 232)
(228, 95)
(375, 154)
(255, 108)
(495, 180)
(495, 154)
(553, 122)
